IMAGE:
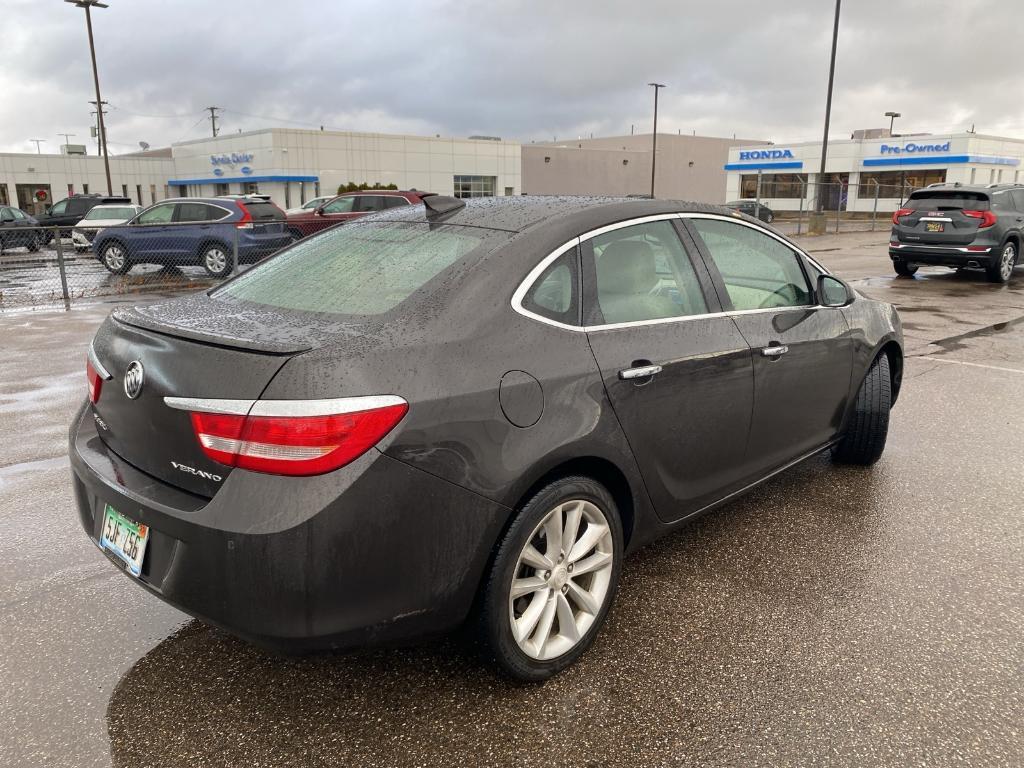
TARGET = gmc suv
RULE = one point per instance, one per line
(961, 226)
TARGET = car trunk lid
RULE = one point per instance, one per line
(193, 348)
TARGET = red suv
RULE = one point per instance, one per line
(349, 206)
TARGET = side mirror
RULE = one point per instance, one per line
(833, 292)
(318, 211)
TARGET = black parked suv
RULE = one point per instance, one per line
(69, 211)
(753, 208)
(955, 225)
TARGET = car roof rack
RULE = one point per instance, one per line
(441, 205)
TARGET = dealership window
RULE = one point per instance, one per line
(152, 194)
(777, 185)
(897, 183)
(250, 188)
(138, 194)
(222, 189)
(71, 190)
(509, 191)
(124, 190)
(85, 189)
(475, 186)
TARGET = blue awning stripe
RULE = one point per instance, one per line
(762, 166)
(873, 162)
(237, 179)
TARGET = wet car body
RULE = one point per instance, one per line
(394, 544)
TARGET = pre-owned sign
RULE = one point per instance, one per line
(910, 148)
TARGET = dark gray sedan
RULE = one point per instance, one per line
(467, 410)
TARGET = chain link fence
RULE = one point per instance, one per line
(847, 207)
(46, 266)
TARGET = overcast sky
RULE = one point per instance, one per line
(520, 70)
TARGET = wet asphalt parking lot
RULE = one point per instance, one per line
(834, 616)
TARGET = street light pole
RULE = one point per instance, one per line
(819, 204)
(654, 134)
(892, 119)
(88, 4)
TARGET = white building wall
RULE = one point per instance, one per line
(849, 156)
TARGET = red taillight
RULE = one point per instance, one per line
(900, 214)
(978, 248)
(246, 221)
(987, 218)
(294, 445)
(95, 381)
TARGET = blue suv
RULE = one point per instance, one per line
(195, 231)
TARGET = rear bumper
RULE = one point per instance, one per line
(942, 255)
(376, 552)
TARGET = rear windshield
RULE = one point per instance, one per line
(359, 269)
(110, 213)
(261, 211)
(948, 201)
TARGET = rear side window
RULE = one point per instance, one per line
(947, 201)
(1018, 199)
(555, 294)
(263, 211)
(359, 269)
(199, 212)
(759, 272)
(644, 273)
(395, 202)
(368, 203)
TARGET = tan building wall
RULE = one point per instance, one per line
(689, 167)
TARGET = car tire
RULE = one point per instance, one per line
(295, 234)
(1002, 270)
(33, 244)
(864, 439)
(903, 269)
(769, 218)
(114, 257)
(554, 597)
(216, 259)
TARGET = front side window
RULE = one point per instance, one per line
(6, 214)
(18, 214)
(644, 273)
(161, 214)
(59, 208)
(363, 268)
(758, 271)
(341, 205)
(555, 294)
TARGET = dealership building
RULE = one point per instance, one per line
(872, 169)
(291, 166)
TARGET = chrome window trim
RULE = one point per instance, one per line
(97, 365)
(538, 270)
(285, 408)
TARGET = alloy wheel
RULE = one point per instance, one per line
(215, 260)
(1006, 262)
(113, 258)
(561, 580)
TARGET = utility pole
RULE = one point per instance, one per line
(100, 112)
(88, 5)
(38, 142)
(213, 119)
(654, 135)
(817, 224)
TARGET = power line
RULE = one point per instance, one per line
(154, 117)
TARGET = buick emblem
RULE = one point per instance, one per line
(133, 376)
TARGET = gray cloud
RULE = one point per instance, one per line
(526, 70)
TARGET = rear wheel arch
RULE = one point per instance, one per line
(895, 354)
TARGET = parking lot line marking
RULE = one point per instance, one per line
(973, 365)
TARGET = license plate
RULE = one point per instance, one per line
(934, 226)
(124, 538)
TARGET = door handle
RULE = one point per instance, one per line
(776, 351)
(640, 373)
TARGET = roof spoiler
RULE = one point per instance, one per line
(441, 205)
